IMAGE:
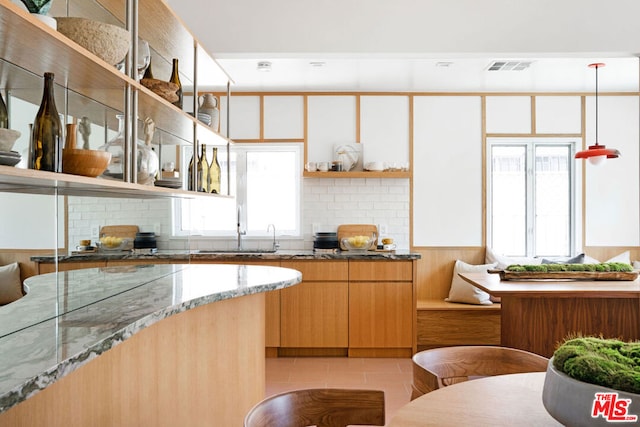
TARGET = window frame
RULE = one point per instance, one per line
(530, 144)
(239, 194)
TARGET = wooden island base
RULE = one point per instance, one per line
(204, 366)
(548, 321)
(537, 315)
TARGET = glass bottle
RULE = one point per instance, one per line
(115, 146)
(190, 183)
(175, 78)
(4, 115)
(214, 173)
(203, 170)
(46, 137)
(148, 74)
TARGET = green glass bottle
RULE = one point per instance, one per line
(214, 173)
(175, 78)
(4, 114)
(46, 137)
(203, 170)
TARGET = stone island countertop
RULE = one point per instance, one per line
(68, 318)
(185, 256)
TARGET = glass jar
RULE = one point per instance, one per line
(147, 159)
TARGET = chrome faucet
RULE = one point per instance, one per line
(276, 245)
(239, 229)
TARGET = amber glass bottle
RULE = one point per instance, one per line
(4, 114)
(203, 170)
(214, 173)
(175, 78)
(148, 74)
(46, 137)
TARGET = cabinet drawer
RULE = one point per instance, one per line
(320, 270)
(388, 271)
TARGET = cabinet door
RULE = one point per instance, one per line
(244, 116)
(284, 117)
(384, 129)
(314, 314)
(509, 114)
(331, 121)
(448, 208)
(380, 314)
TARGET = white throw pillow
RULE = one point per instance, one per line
(465, 292)
(10, 284)
(505, 261)
(623, 257)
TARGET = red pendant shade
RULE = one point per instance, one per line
(597, 150)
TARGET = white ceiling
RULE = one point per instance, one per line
(402, 45)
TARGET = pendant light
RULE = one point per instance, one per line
(597, 153)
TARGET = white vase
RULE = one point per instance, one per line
(48, 20)
(571, 402)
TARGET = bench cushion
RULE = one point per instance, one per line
(463, 291)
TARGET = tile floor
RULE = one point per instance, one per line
(391, 375)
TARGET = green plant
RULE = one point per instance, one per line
(609, 363)
(602, 267)
(40, 7)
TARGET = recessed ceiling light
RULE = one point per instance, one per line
(264, 66)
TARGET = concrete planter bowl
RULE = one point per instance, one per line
(576, 403)
(108, 42)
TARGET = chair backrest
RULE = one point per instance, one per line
(321, 407)
(440, 367)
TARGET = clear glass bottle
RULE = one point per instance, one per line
(4, 114)
(147, 159)
(115, 146)
(175, 78)
(45, 151)
(214, 173)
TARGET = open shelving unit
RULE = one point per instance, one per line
(30, 48)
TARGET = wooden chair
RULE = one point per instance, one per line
(440, 367)
(321, 407)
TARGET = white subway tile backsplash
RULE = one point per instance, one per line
(325, 201)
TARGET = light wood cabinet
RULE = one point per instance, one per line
(381, 308)
(352, 307)
(314, 314)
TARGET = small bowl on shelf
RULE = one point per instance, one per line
(358, 243)
(8, 137)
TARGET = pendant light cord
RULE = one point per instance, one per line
(597, 140)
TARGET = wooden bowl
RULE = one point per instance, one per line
(107, 41)
(85, 162)
(166, 90)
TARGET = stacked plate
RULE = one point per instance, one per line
(168, 183)
(9, 158)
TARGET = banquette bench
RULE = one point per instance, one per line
(441, 323)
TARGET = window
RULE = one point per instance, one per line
(531, 197)
(266, 183)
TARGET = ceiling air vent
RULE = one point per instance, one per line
(509, 65)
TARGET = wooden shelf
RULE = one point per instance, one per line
(359, 174)
(16, 180)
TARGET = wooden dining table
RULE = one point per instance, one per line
(502, 400)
